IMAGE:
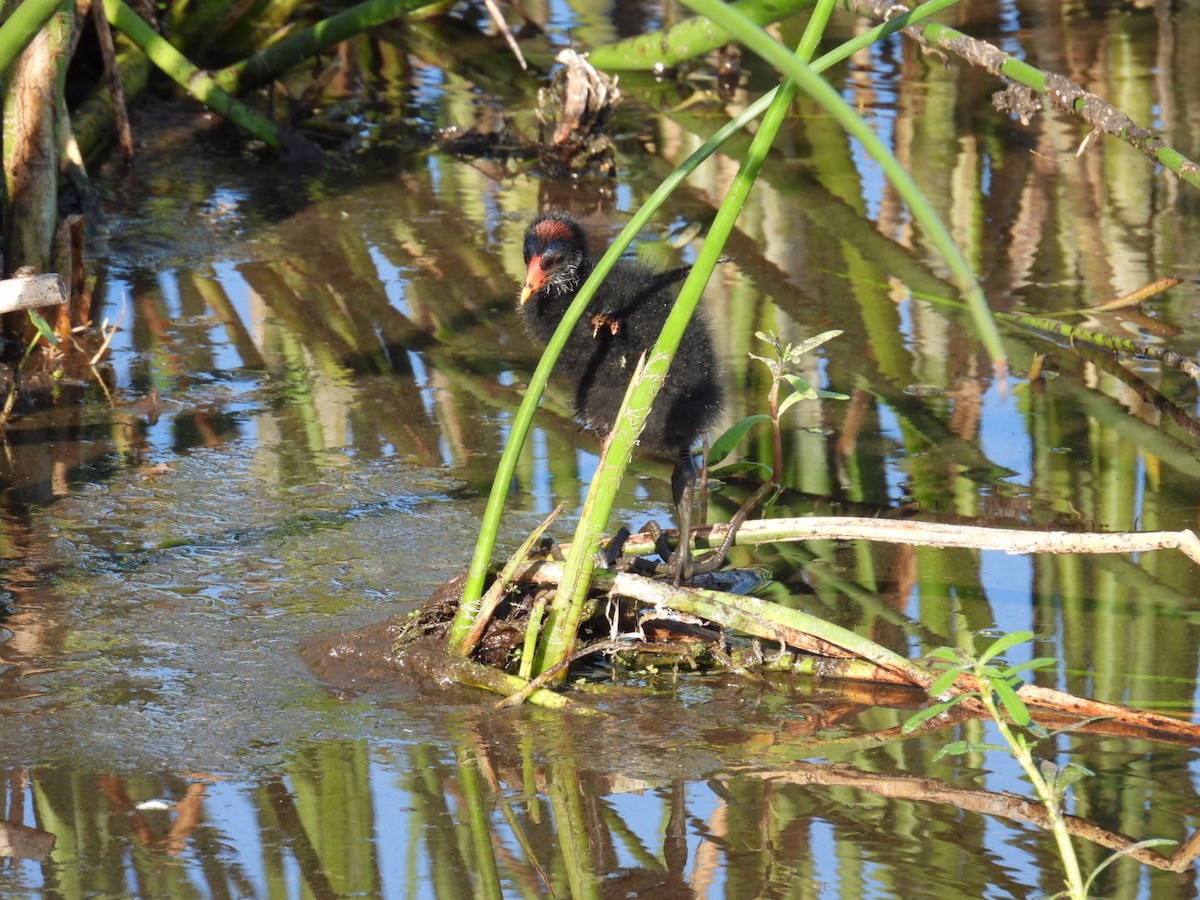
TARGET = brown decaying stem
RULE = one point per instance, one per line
(116, 90)
(923, 533)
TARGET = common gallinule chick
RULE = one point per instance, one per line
(625, 318)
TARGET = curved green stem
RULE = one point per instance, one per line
(827, 96)
(1045, 794)
(20, 27)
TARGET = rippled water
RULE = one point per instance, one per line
(310, 388)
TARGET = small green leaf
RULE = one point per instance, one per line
(1013, 705)
(1003, 643)
(739, 468)
(917, 719)
(958, 748)
(725, 444)
(954, 748)
(831, 395)
(807, 346)
(942, 683)
(1037, 731)
(800, 385)
(922, 716)
(43, 327)
(772, 339)
(1073, 772)
(792, 399)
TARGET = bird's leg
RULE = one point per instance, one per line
(683, 491)
(681, 567)
(678, 564)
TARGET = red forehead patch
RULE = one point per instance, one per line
(552, 230)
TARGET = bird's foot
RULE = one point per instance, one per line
(602, 321)
(610, 557)
(676, 564)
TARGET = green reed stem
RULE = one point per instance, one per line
(22, 24)
(199, 84)
(742, 29)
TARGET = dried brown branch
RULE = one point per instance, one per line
(935, 534)
(765, 620)
(31, 292)
(115, 89)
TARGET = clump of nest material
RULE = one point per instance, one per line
(572, 114)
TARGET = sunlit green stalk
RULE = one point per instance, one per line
(196, 82)
(740, 28)
(300, 45)
(19, 28)
(686, 40)
(490, 525)
(566, 610)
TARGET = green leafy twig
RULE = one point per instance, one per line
(44, 332)
(996, 688)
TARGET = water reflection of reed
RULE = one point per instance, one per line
(524, 805)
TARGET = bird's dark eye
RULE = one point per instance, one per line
(550, 259)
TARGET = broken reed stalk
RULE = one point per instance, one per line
(31, 292)
(809, 634)
(936, 534)
(496, 592)
(1124, 346)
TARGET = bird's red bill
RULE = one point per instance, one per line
(535, 276)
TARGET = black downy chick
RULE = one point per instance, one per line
(605, 345)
